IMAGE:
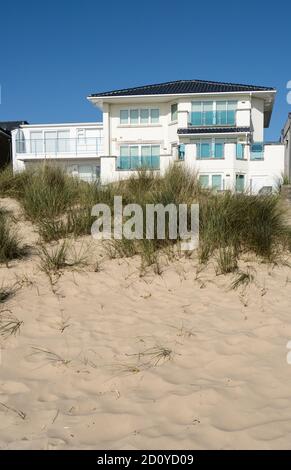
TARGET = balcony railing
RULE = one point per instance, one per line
(61, 146)
(135, 163)
(212, 118)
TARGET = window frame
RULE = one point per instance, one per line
(151, 120)
(139, 155)
(174, 114)
(213, 112)
(213, 142)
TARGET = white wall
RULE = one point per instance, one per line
(257, 119)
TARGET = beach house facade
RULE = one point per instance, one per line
(213, 128)
(74, 147)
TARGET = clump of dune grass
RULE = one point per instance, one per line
(226, 260)
(10, 247)
(13, 184)
(155, 355)
(243, 278)
(54, 259)
(49, 193)
(9, 324)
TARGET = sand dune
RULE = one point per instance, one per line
(114, 360)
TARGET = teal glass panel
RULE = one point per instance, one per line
(219, 150)
(124, 163)
(231, 111)
(257, 151)
(196, 114)
(239, 151)
(221, 112)
(205, 150)
(196, 118)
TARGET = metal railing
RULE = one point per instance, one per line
(90, 145)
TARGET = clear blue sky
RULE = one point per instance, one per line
(55, 53)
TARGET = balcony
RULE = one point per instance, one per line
(212, 118)
(136, 162)
(62, 147)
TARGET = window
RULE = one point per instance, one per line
(216, 182)
(204, 181)
(174, 112)
(134, 114)
(139, 116)
(133, 157)
(240, 183)
(218, 148)
(240, 151)
(20, 142)
(144, 116)
(209, 113)
(124, 116)
(257, 151)
(210, 149)
(155, 116)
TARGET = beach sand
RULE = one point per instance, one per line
(109, 359)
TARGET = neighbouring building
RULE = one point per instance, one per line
(216, 129)
(286, 140)
(5, 140)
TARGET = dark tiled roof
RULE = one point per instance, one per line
(8, 126)
(213, 130)
(184, 87)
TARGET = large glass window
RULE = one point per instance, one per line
(210, 148)
(209, 113)
(133, 157)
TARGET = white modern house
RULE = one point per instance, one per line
(214, 128)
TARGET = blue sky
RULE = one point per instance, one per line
(54, 54)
